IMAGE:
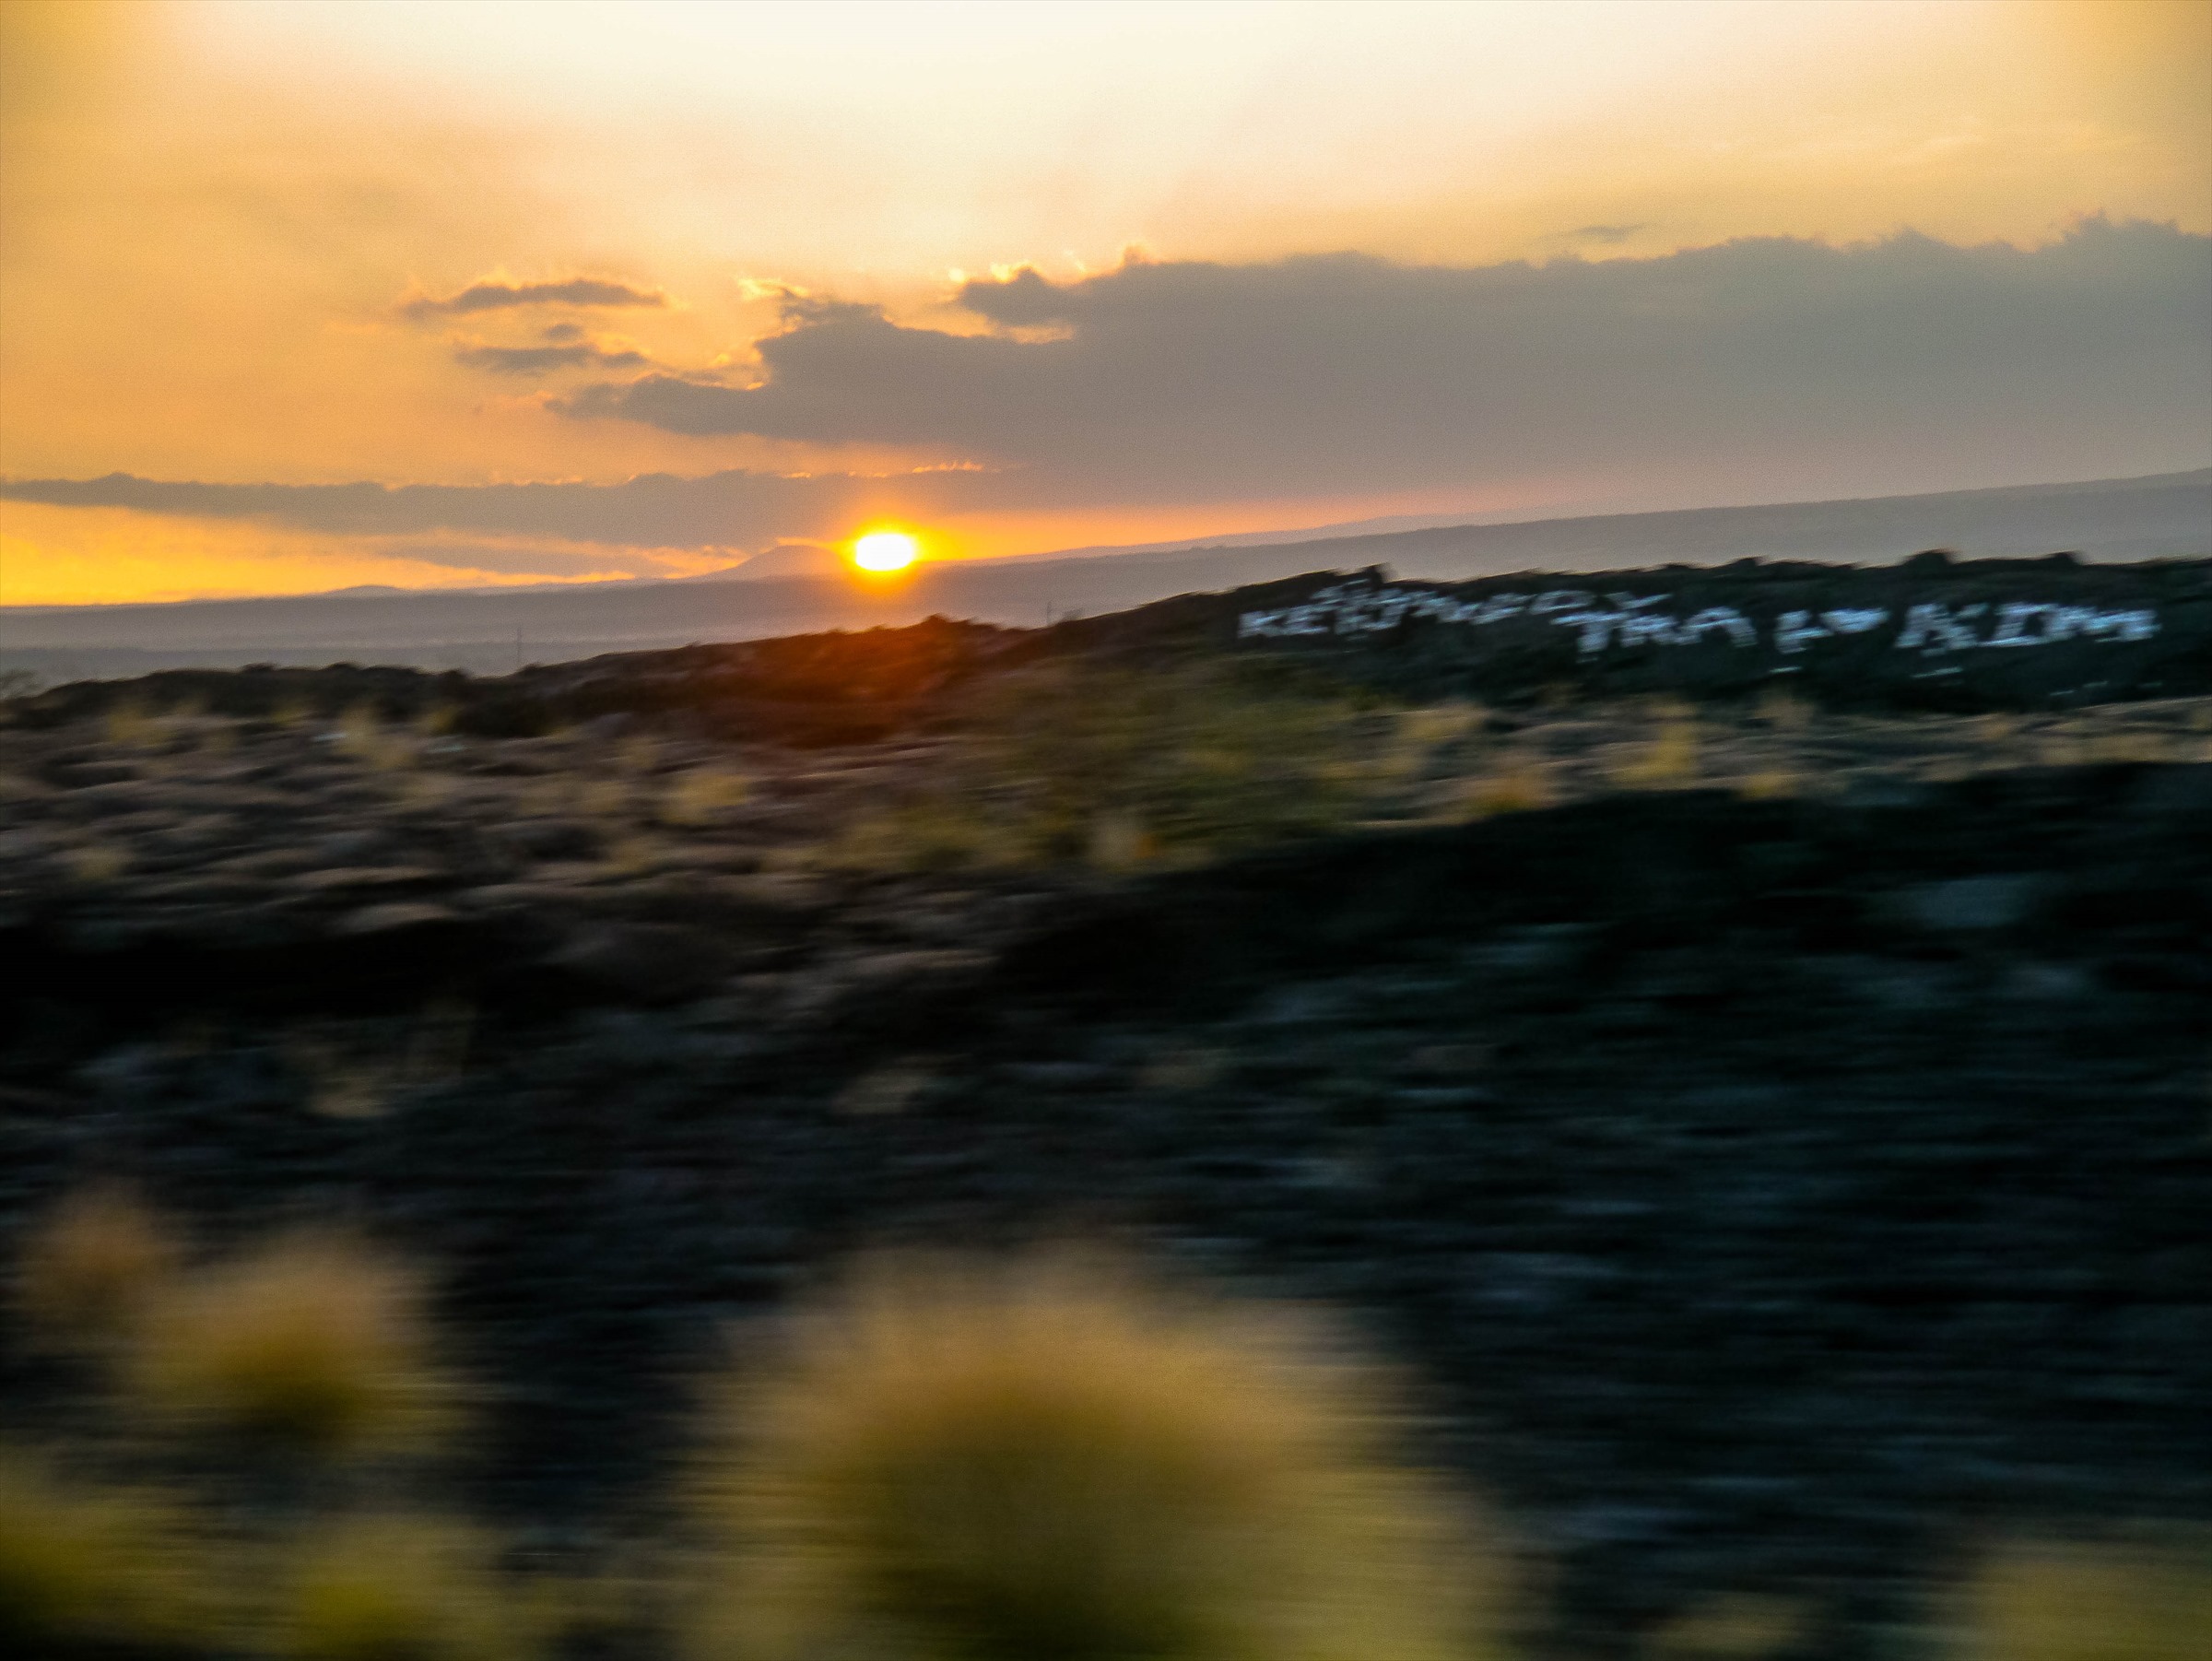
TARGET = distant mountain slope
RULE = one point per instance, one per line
(1978, 515)
(491, 630)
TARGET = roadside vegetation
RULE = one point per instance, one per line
(1047, 1456)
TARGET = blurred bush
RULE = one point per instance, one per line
(403, 1588)
(1048, 1460)
(1201, 758)
(1119, 768)
(2147, 1597)
(315, 1340)
(83, 1564)
(91, 1267)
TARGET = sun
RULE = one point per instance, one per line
(884, 550)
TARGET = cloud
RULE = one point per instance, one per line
(1757, 371)
(1607, 233)
(729, 510)
(494, 295)
(542, 359)
(1759, 365)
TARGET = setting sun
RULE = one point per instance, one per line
(884, 550)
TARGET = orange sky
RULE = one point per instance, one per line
(213, 213)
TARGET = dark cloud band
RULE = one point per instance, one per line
(1736, 368)
(500, 296)
(734, 509)
(543, 359)
(1755, 371)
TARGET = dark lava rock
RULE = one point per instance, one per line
(1767, 1193)
(645, 963)
(1952, 635)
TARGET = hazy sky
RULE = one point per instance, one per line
(426, 293)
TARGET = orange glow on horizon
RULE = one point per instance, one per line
(286, 178)
(54, 555)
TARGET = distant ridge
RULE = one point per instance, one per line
(2166, 515)
(1398, 524)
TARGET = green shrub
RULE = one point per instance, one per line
(1047, 1462)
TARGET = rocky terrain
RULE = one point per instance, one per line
(1776, 1129)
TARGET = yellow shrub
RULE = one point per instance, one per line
(1004, 1464)
(696, 796)
(1770, 784)
(2113, 1601)
(1783, 710)
(314, 1339)
(1671, 759)
(1515, 785)
(93, 1264)
(81, 1565)
(927, 833)
(362, 735)
(403, 1589)
(1737, 1627)
(128, 725)
(97, 861)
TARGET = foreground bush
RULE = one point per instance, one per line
(315, 1341)
(402, 1587)
(84, 1565)
(2125, 1599)
(1049, 1463)
(93, 1265)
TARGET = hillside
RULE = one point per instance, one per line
(492, 631)
(1766, 1116)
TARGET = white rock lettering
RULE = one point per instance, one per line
(1624, 621)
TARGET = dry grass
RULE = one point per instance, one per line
(1121, 841)
(314, 1341)
(638, 755)
(425, 792)
(938, 832)
(1735, 1627)
(359, 1069)
(1423, 735)
(1783, 711)
(604, 798)
(700, 795)
(1196, 761)
(1671, 759)
(365, 739)
(404, 1587)
(128, 725)
(2147, 1599)
(341, 1084)
(633, 853)
(91, 1268)
(97, 861)
(1516, 784)
(1004, 1464)
(1769, 784)
(83, 1564)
